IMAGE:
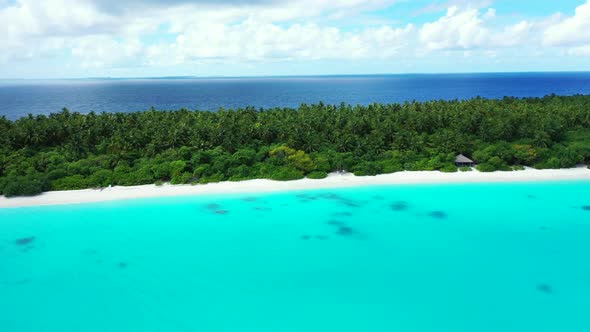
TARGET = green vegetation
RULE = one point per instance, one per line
(450, 168)
(317, 175)
(72, 151)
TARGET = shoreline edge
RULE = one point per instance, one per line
(333, 181)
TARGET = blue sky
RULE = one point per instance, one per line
(139, 38)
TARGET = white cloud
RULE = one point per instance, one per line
(435, 7)
(211, 29)
(518, 34)
(570, 31)
(471, 28)
(579, 50)
(458, 29)
(101, 31)
(99, 51)
(116, 34)
(256, 41)
(52, 18)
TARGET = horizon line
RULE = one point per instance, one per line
(180, 77)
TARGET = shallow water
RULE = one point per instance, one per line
(473, 257)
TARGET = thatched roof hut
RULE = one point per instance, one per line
(462, 161)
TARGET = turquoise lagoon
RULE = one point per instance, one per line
(469, 257)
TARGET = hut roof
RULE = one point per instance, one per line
(462, 159)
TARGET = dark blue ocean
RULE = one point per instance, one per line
(19, 98)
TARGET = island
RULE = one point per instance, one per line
(73, 151)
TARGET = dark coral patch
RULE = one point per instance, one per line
(216, 208)
(438, 215)
(335, 223)
(26, 248)
(24, 241)
(90, 252)
(342, 214)
(345, 231)
(15, 282)
(306, 197)
(399, 206)
(122, 265)
(312, 237)
(350, 203)
(332, 196)
(249, 199)
(545, 288)
(213, 206)
(586, 207)
(340, 199)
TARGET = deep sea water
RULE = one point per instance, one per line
(460, 258)
(19, 98)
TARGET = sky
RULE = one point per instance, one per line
(149, 38)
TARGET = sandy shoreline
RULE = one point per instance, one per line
(261, 186)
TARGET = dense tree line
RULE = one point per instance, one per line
(69, 150)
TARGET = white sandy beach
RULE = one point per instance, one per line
(335, 180)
